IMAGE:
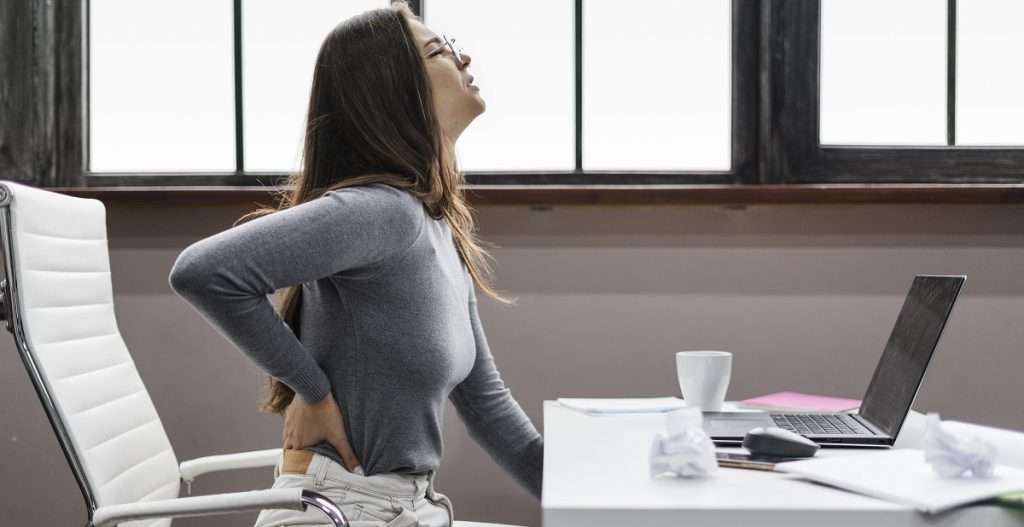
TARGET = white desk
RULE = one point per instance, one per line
(596, 475)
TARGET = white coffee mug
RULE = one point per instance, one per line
(704, 377)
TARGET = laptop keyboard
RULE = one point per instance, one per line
(827, 424)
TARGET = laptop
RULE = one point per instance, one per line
(891, 391)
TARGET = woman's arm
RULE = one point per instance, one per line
(228, 276)
(494, 419)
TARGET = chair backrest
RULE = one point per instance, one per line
(59, 305)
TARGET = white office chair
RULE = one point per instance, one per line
(57, 300)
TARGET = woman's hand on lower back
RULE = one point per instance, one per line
(308, 424)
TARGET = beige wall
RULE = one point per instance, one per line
(805, 296)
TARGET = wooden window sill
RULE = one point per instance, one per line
(547, 195)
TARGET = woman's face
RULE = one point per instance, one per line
(457, 100)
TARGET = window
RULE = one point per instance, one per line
(579, 92)
(161, 93)
(656, 78)
(280, 41)
(591, 92)
(990, 73)
(525, 77)
(883, 78)
(892, 79)
(913, 91)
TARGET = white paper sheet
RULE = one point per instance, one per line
(623, 405)
(903, 476)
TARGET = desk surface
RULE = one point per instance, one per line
(596, 474)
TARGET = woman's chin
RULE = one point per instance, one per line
(481, 104)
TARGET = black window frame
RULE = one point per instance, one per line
(793, 133)
(775, 117)
(743, 122)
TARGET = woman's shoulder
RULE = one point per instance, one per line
(379, 196)
(380, 203)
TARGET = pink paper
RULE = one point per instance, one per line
(802, 401)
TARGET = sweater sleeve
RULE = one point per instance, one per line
(227, 277)
(493, 417)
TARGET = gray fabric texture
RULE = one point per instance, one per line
(389, 325)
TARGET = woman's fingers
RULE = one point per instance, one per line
(338, 438)
(305, 425)
(340, 443)
(348, 456)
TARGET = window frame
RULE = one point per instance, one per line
(75, 109)
(774, 146)
(794, 94)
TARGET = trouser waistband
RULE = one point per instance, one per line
(389, 484)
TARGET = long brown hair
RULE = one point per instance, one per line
(371, 120)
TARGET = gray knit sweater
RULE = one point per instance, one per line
(389, 324)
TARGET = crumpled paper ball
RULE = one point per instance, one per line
(686, 450)
(955, 455)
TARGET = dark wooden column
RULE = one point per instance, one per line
(41, 92)
(17, 115)
(70, 91)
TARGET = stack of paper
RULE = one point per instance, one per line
(800, 402)
(903, 476)
(620, 406)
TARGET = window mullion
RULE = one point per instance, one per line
(578, 33)
(951, 73)
(239, 137)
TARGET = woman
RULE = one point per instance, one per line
(374, 248)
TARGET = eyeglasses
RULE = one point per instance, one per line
(456, 51)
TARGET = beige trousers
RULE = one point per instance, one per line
(381, 500)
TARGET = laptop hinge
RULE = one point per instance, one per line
(866, 423)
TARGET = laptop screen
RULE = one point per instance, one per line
(918, 327)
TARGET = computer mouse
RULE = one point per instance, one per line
(774, 441)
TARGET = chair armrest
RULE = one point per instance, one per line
(193, 468)
(294, 499)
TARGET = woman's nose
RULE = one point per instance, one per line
(466, 59)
